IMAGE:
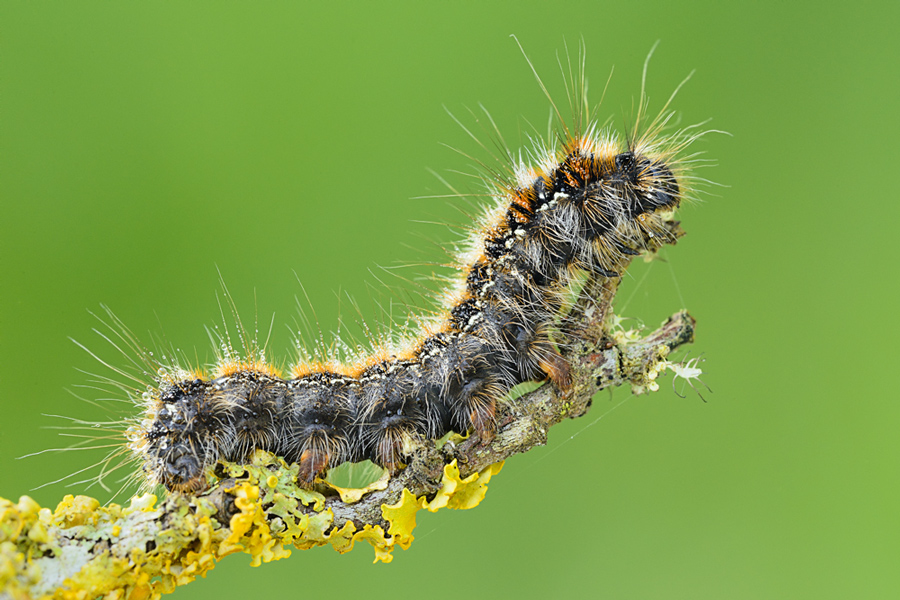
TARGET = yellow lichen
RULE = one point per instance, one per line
(402, 517)
(75, 510)
(375, 536)
(462, 493)
(455, 493)
(342, 539)
(17, 571)
(45, 552)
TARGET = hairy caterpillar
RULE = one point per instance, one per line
(590, 200)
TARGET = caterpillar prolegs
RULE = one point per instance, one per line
(590, 201)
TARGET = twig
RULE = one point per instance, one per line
(144, 550)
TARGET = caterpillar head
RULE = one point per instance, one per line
(185, 436)
(652, 185)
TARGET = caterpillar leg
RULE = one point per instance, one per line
(313, 463)
(389, 451)
(557, 369)
(484, 421)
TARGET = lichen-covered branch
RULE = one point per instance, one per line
(145, 549)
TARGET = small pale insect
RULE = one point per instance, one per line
(688, 370)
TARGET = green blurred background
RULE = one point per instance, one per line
(145, 145)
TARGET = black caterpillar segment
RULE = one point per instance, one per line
(591, 205)
(318, 424)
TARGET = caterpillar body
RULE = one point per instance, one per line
(590, 201)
